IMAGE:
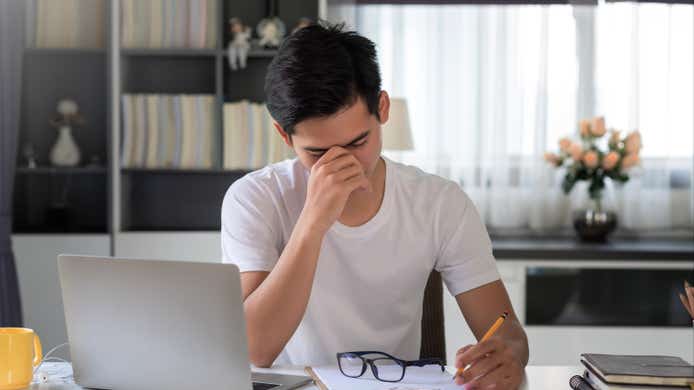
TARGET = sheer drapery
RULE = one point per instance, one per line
(491, 88)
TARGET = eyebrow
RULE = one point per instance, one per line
(354, 141)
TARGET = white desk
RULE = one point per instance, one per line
(537, 378)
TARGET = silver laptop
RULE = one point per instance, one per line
(145, 324)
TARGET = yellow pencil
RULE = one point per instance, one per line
(495, 326)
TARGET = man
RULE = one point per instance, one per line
(336, 246)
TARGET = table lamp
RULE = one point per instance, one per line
(396, 132)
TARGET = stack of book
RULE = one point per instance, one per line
(168, 131)
(625, 372)
(64, 24)
(250, 138)
(169, 24)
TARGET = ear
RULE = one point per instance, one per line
(383, 106)
(286, 137)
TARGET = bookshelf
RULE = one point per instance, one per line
(58, 63)
(103, 194)
(147, 196)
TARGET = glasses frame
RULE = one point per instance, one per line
(374, 370)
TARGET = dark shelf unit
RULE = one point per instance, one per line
(181, 172)
(81, 199)
(55, 199)
(190, 199)
(170, 52)
(86, 170)
(70, 201)
(174, 199)
(34, 51)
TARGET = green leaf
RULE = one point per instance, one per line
(568, 183)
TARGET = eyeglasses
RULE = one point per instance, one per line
(384, 367)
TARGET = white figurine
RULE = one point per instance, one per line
(271, 31)
(65, 152)
(239, 45)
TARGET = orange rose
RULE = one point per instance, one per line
(630, 160)
(552, 158)
(576, 151)
(564, 144)
(584, 127)
(614, 138)
(598, 126)
(590, 158)
(610, 160)
(632, 144)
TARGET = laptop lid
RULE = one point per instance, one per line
(147, 324)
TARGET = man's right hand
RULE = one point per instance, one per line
(332, 180)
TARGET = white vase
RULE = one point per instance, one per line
(65, 152)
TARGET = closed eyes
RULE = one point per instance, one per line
(350, 146)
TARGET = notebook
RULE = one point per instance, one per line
(416, 378)
(640, 370)
(597, 384)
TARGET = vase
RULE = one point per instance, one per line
(594, 224)
(65, 152)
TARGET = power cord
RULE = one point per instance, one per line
(43, 376)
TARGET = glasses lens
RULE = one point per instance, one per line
(351, 365)
(388, 370)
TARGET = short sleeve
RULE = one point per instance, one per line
(249, 235)
(465, 257)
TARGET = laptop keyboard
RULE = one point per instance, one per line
(263, 386)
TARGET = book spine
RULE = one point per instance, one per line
(126, 131)
(178, 115)
(152, 131)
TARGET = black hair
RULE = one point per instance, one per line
(319, 70)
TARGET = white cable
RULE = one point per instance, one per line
(55, 359)
(48, 355)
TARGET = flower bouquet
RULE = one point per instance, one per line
(591, 159)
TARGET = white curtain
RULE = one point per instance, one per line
(491, 88)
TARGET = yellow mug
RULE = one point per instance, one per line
(20, 352)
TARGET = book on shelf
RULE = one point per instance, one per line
(178, 131)
(153, 133)
(639, 370)
(168, 131)
(140, 131)
(66, 24)
(250, 138)
(189, 130)
(157, 24)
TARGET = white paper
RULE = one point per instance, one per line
(416, 378)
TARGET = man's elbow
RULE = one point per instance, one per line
(261, 359)
(262, 362)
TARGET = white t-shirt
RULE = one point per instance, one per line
(369, 283)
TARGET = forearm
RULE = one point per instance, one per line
(275, 309)
(516, 339)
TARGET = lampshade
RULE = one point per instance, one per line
(396, 132)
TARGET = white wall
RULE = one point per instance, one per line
(188, 246)
(37, 270)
